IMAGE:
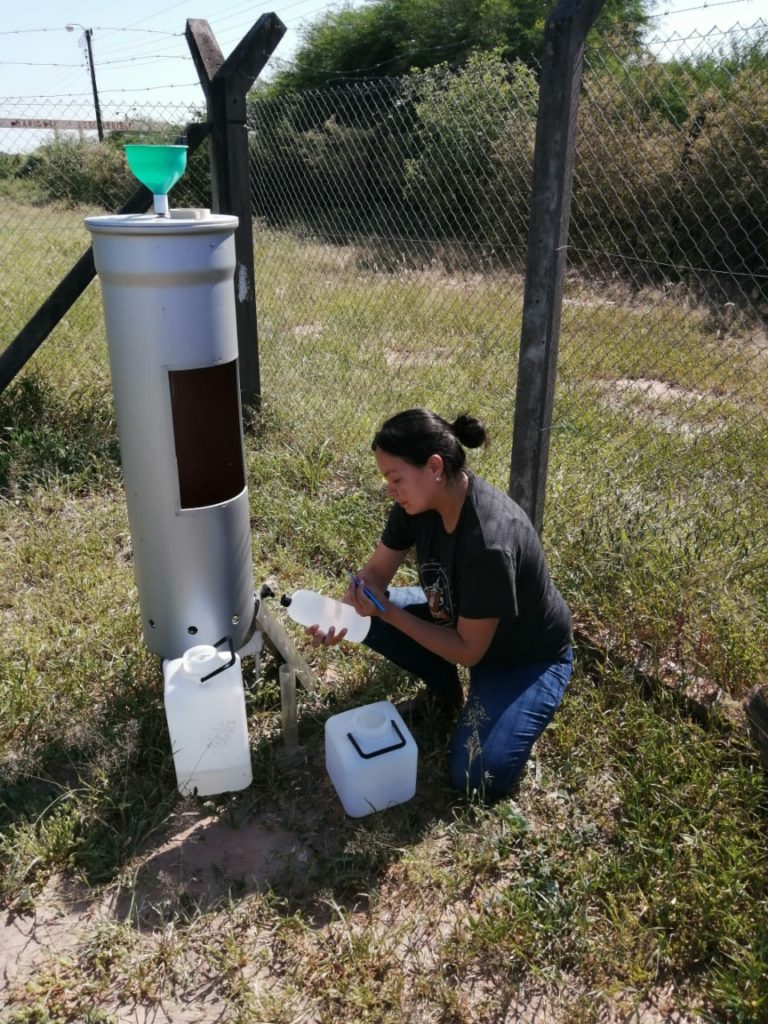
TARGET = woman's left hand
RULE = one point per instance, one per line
(329, 639)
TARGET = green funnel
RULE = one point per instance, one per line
(159, 168)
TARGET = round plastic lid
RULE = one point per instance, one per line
(200, 660)
(180, 222)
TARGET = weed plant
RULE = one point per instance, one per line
(624, 881)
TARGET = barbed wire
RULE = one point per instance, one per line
(341, 74)
(85, 95)
(371, 67)
(94, 28)
(101, 63)
(689, 10)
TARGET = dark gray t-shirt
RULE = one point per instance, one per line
(491, 566)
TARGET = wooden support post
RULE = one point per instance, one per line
(559, 89)
(226, 84)
(29, 339)
(757, 716)
(277, 638)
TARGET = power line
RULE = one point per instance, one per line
(163, 10)
(36, 64)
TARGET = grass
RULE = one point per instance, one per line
(628, 874)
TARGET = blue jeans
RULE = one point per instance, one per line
(506, 711)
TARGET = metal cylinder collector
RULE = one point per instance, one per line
(168, 294)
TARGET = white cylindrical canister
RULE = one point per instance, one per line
(205, 711)
(167, 286)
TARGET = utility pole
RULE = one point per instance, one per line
(88, 32)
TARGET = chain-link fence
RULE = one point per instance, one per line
(390, 270)
(408, 201)
(393, 243)
(390, 256)
(54, 173)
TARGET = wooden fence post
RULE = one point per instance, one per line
(559, 88)
(226, 84)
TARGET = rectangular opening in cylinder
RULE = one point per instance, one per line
(207, 434)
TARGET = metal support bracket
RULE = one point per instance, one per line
(266, 627)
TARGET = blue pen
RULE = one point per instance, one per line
(374, 600)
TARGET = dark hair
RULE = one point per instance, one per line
(415, 434)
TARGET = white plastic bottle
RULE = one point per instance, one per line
(309, 608)
(205, 709)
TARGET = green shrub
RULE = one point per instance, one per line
(669, 170)
(722, 187)
(475, 132)
(332, 161)
(10, 165)
(81, 173)
(96, 174)
(628, 159)
(671, 174)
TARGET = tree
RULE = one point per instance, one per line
(391, 37)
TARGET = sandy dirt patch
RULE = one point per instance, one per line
(206, 859)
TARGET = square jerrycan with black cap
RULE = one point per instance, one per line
(371, 758)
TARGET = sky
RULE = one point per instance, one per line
(141, 56)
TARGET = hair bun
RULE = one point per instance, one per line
(470, 431)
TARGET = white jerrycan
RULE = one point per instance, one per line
(371, 758)
(205, 710)
(309, 608)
